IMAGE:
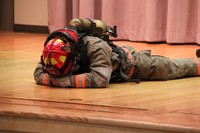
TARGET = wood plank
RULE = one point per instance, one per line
(93, 115)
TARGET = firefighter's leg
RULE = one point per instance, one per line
(179, 68)
(153, 67)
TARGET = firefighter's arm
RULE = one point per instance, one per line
(41, 77)
(100, 69)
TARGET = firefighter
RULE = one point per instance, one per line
(82, 56)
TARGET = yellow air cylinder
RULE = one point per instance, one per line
(84, 25)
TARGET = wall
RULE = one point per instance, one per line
(6, 14)
(31, 12)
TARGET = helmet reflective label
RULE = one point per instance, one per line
(53, 61)
(59, 40)
(62, 58)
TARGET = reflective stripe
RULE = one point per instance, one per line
(76, 81)
(45, 79)
(83, 81)
(131, 72)
(80, 81)
(197, 62)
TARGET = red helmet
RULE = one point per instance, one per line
(57, 58)
(57, 53)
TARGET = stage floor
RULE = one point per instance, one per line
(156, 106)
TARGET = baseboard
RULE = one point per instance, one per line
(30, 28)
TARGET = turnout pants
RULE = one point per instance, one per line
(155, 67)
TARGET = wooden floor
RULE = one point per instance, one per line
(148, 107)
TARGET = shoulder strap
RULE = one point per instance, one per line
(80, 57)
(119, 74)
